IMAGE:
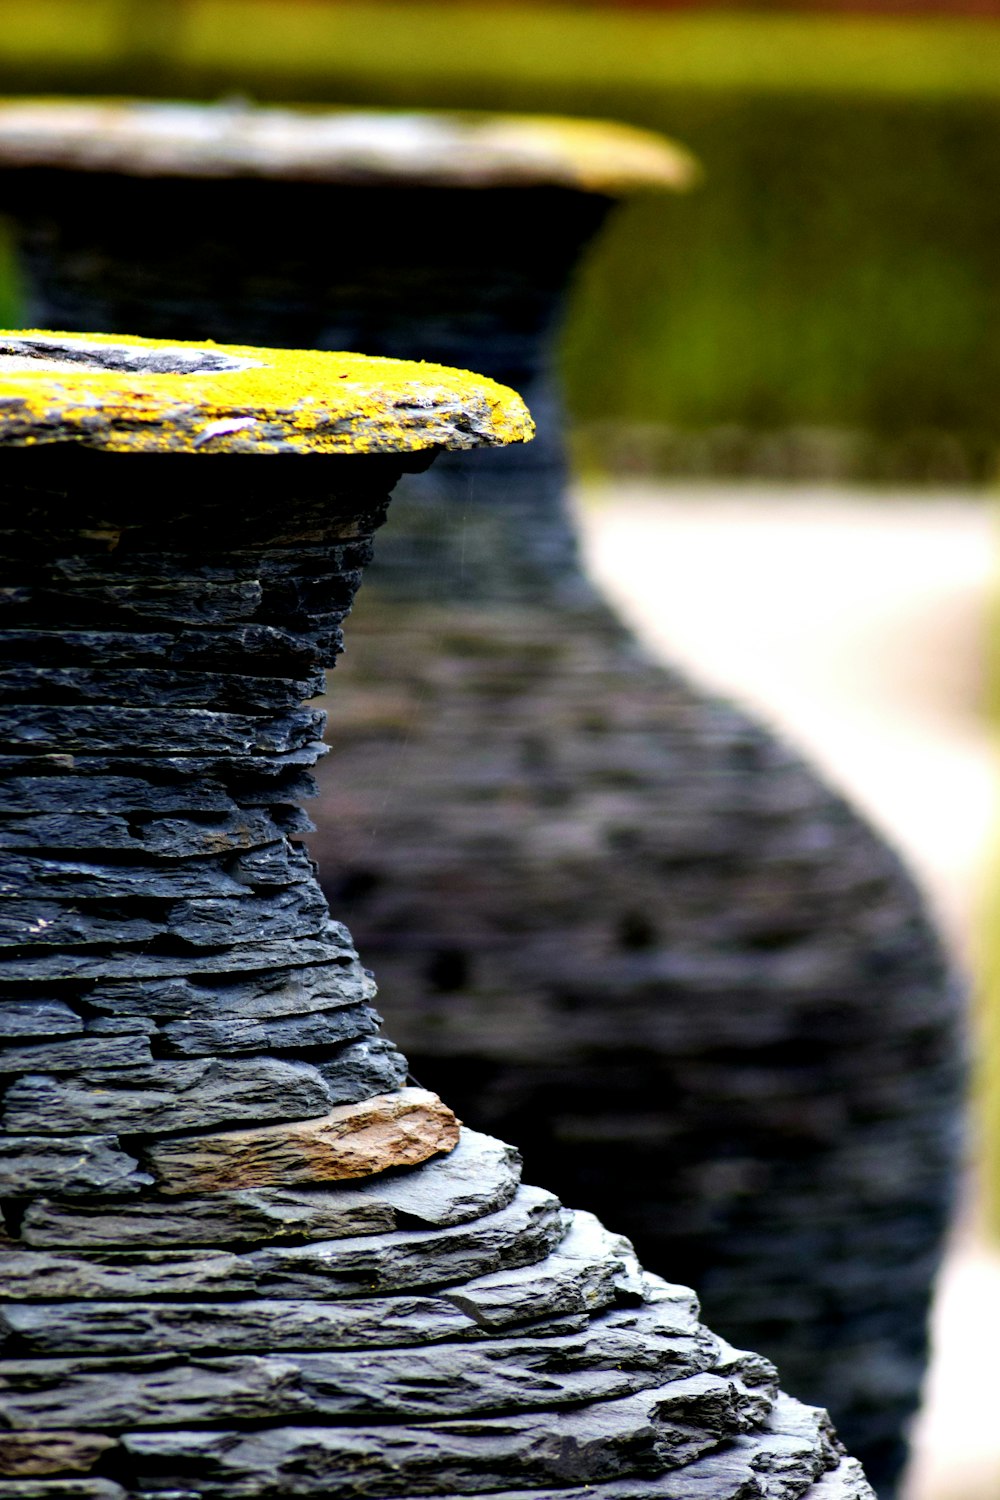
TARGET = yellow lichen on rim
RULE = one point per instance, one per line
(134, 395)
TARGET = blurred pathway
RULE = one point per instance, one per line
(854, 621)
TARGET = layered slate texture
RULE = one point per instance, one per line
(242, 1257)
(621, 924)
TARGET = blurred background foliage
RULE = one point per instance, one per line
(824, 304)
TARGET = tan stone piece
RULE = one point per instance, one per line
(135, 395)
(354, 1140)
(147, 139)
(24, 1454)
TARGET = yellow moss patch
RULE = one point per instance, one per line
(127, 394)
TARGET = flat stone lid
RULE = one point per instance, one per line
(133, 395)
(145, 139)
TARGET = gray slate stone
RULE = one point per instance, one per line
(111, 796)
(80, 1164)
(795, 1448)
(614, 1356)
(318, 1028)
(169, 1095)
(521, 1234)
(259, 1324)
(253, 1215)
(38, 1018)
(144, 687)
(29, 877)
(204, 922)
(362, 1069)
(128, 965)
(846, 1482)
(478, 1177)
(264, 995)
(589, 1269)
(78, 1054)
(163, 837)
(83, 729)
(645, 1433)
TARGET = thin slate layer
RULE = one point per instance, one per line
(280, 1268)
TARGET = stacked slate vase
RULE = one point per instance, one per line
(617, 921)
(242, 1257)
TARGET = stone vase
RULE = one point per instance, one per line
(241, 1257)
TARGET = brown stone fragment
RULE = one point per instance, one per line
(354, 1140)
(23, 1453)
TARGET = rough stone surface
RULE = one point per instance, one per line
(80, 1164)
(389, 1130)
(644, 1433)
(478, 1177)
(614, 1356)
(53, 1452)
(162, 1096)
(519, 1235)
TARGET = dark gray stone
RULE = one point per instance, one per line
(521, 1234)
(589, 1269)
(251, 1215)
(614, 1356)
(149, 732)
(123, 964)
(38, 1018)
(145, 688)
(479, 1177)
(794, 1449)
(110, 796)
(78, 1054)
(205, 923)
(253, 1325)
(264, 995)
(79, 1164)
(645, 1433)
(164, 1096)
(27, 877)
(360, 1069)
(318, 1028)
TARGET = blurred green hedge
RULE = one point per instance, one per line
(836, 276)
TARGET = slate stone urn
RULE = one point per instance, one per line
(617, 920)
(242, 1256)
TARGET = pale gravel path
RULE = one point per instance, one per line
(854, 621)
